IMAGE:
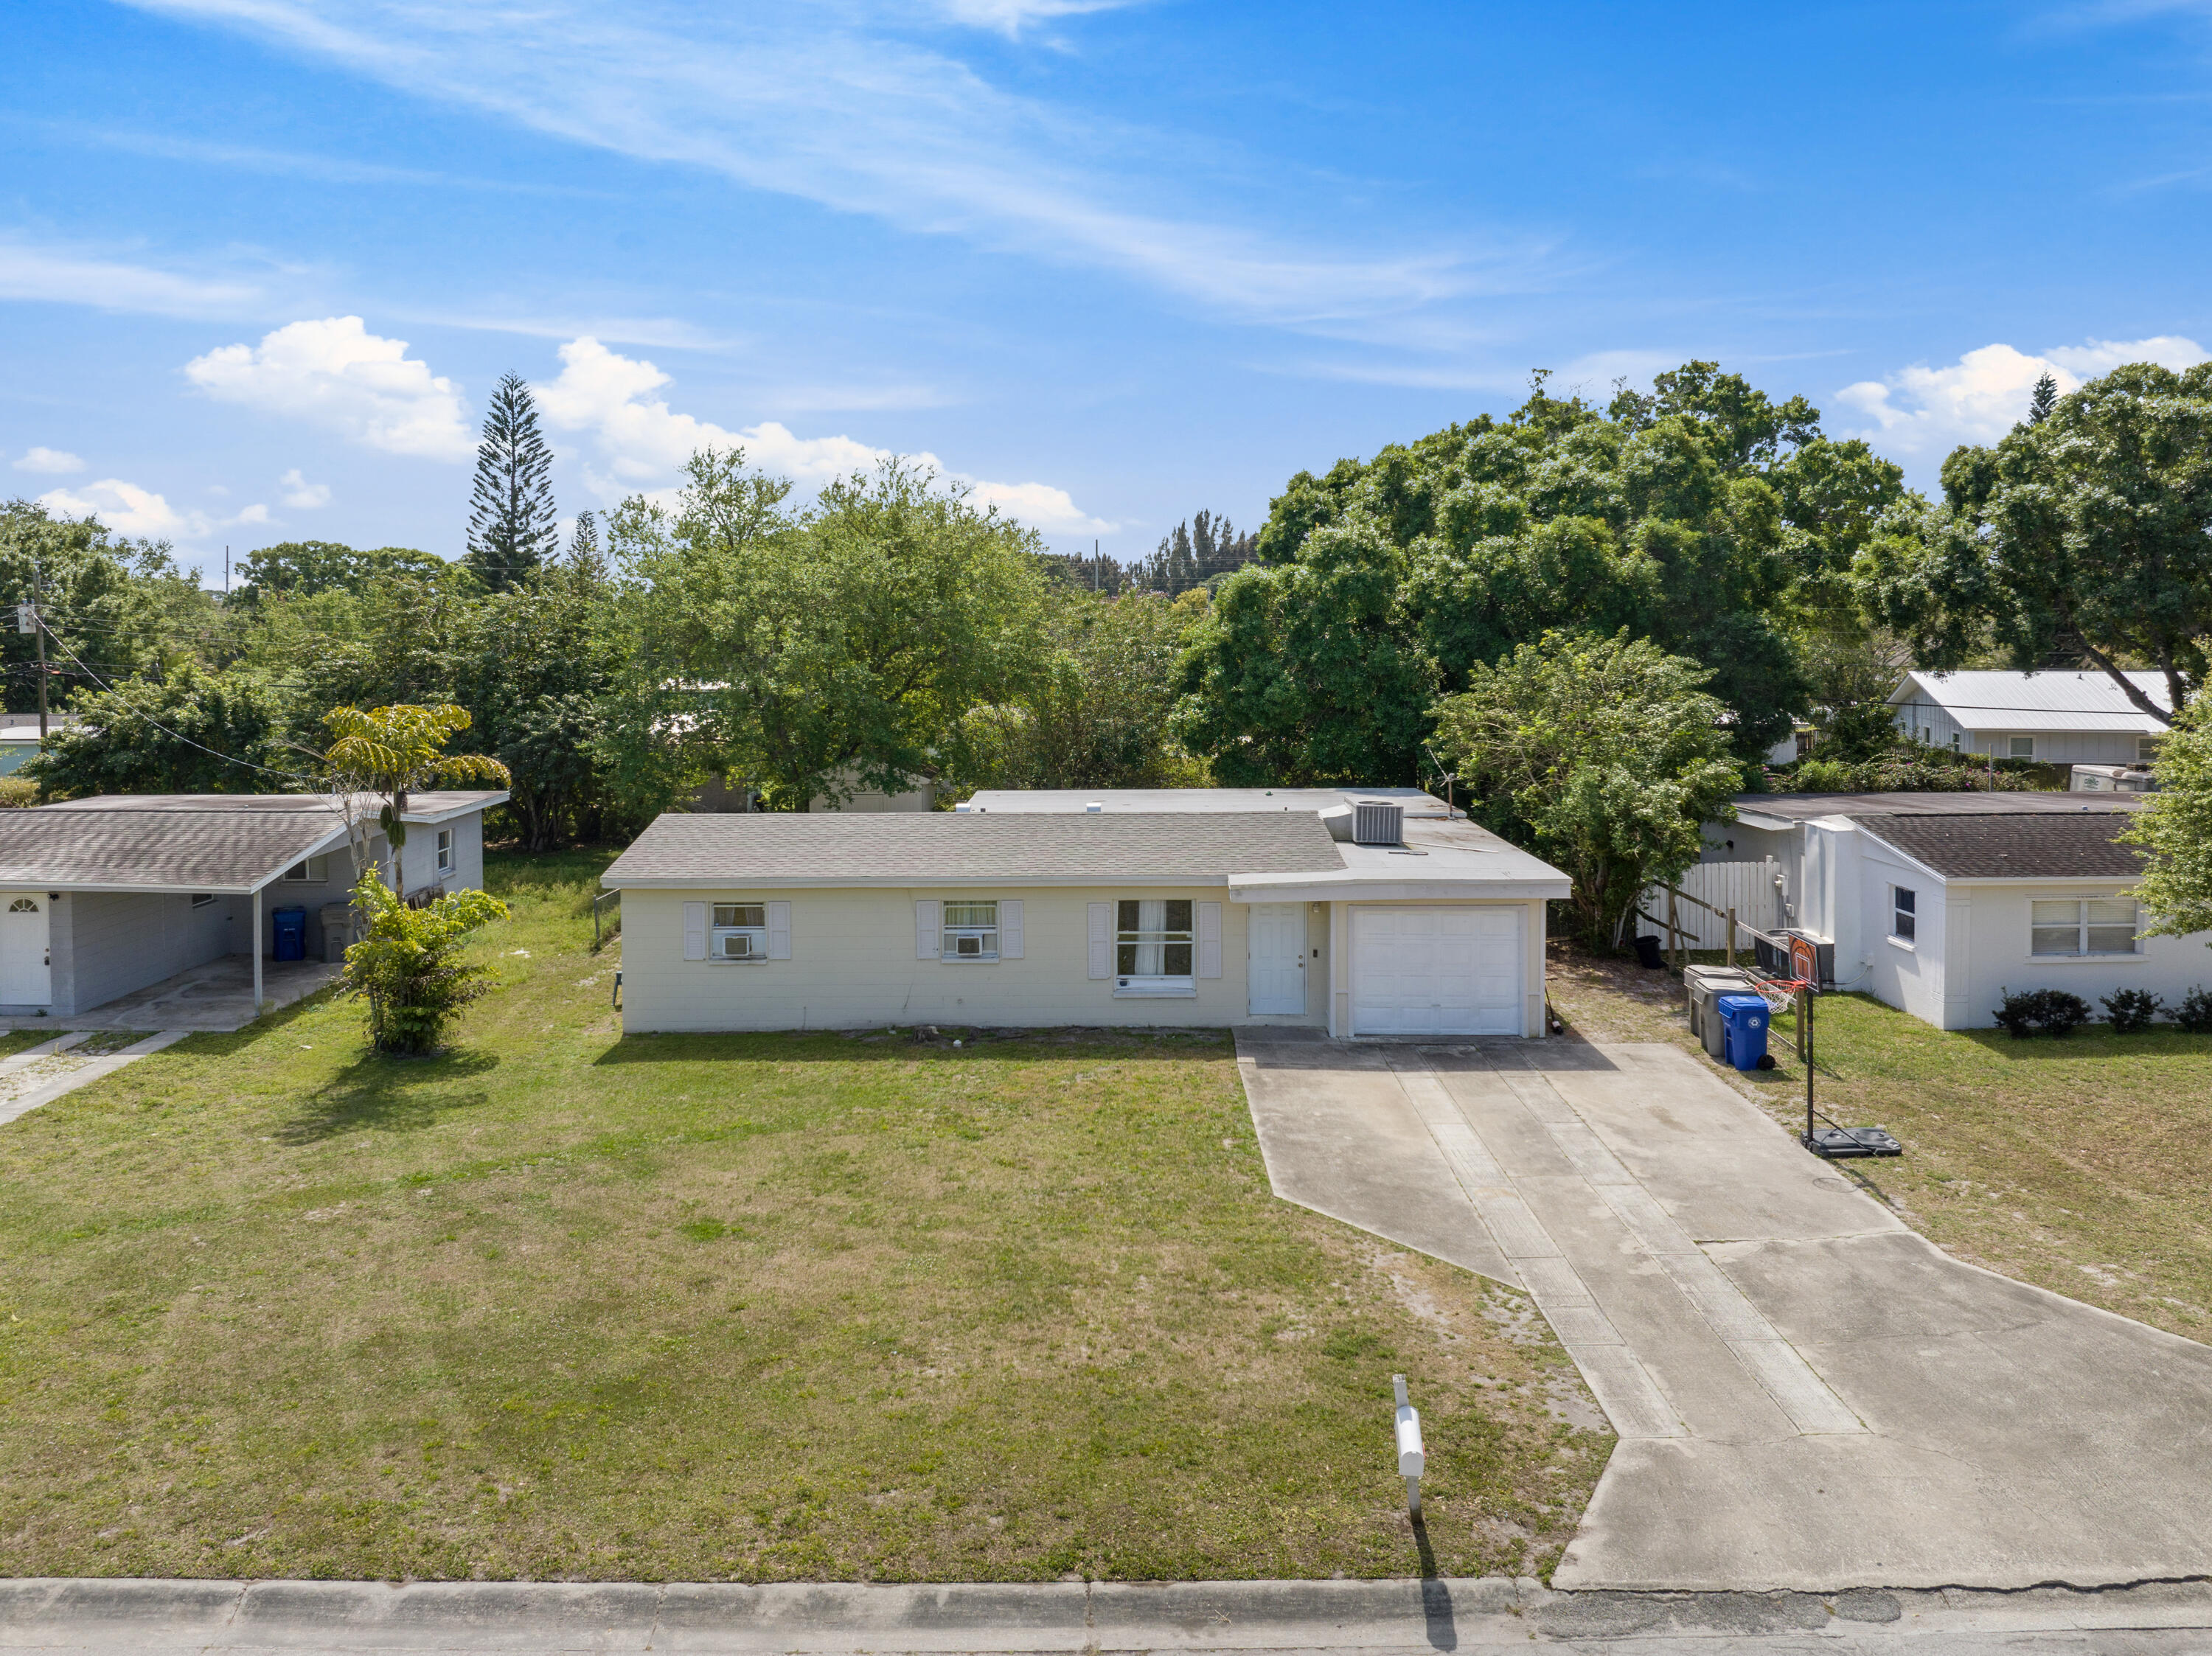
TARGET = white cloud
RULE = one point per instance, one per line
(833, 102)
(334, 372)
(1922, 411)
(298, 492)
(1010, 17)
(125, 508)
(54, 462)
(643, 443)
(70, 276)
(256, 513)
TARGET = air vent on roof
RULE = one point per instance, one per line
(1377, 822)
(1092, 807)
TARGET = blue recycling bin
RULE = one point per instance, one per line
(291, 942)
(1744, 1017)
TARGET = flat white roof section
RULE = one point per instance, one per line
(1415, 802)
(2085, 702)
(1439, 860)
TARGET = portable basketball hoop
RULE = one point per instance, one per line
(1831, 1141)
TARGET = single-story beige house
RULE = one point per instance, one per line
(1197, 906)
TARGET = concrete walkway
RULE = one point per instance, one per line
(39, 1075)
(167, 1618)
(1810, 1396)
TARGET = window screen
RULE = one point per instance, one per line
(1154, 937)
(971, 931)
(740, 932)
(1903, 912)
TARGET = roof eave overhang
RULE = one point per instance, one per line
(725, 881)
(1259, 888)
(485, 804)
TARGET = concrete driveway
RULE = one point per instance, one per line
(1810, 1396)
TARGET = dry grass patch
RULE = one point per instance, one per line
(556, 1304)
(2081, 1165)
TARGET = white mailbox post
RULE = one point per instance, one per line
(1411, 1458)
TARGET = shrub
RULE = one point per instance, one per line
(1825, 776)
(407, 967)
(2133, 1011)
(2052, 1011)
(17, 792)
(2195, 1012)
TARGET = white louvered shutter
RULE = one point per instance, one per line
(928, 919)
(694, 932)
(1209, 940)
(1102, 940)
(779, 931)
(1010, 929)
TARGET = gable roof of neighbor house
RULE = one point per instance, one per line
(1415, 802)
(1772, 810)
(791, 848)
(2081, 702)
(198, 842)
(2042, 846)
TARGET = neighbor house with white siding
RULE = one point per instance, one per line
(1165, 906)
(102, 897)
(2058, 718)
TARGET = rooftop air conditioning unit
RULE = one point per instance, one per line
(1377, 822)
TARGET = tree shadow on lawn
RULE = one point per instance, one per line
(390, 1095)
(2090, 1041)
(839, 1046)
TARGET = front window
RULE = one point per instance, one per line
(314, 871)
(740, 932)
(1904, 912)
(2147, 750)
(1153, 939)
(202, 899)
(2021, 746)
(2099, 925)
(971, 931)
(445, 850)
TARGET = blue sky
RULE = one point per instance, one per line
(262, 260)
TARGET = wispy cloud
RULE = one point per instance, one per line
(77, 276)
(54, 462)
(640, 443)
(820, 101)
(282, 163)
(1010, 16)
(129, 509)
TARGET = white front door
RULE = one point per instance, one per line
(1454, 971)
(1277, 934)
(26, 979)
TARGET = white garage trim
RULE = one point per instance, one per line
(1447, 969)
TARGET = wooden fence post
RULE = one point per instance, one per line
(1731, 940)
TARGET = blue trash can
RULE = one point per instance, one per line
(1744, 1016)
(291, 934)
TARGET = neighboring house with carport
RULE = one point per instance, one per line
(105, 897)
(1194, 908)
(1937, 903)
(2061, 717)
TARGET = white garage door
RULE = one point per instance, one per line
(1436, 971)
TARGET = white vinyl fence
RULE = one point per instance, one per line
(1748, 888)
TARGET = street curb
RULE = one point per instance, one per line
(154, 1616)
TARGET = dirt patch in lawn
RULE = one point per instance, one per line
(2082, 1164)
(559, 1305)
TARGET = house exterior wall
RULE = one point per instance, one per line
(1996, 955)
(853, 966)
(2051, 747)
(107, 944)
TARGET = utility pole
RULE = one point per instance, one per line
(39, 631)
(1094, 568)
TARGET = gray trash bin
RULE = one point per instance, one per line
(1704, 984)
(338, 931)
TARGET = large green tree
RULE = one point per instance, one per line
(512, 531)
(194, 731)
(1096, 712)
(103, 597)
(1701, 515)
(2174, 829)
(1604, 756)
(299, 569)
(2081, 537)
(823, 653)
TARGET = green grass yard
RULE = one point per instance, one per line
(556, 1304)
(2083, 1164)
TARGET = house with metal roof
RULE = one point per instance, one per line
(101, 898)
(2059, 718)
(1937, 903)
(1359, 912)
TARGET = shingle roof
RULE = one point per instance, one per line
(175, 841)
(2044, 847)
(901, 848)
(1799, 807)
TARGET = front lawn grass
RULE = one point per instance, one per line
(2083, 1164)
(556, 1304)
